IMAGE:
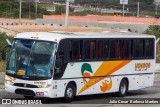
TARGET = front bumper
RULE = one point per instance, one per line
(40, 92)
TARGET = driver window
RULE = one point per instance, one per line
(59, 63)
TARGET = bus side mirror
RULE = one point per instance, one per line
(3, 55)
(4, 52)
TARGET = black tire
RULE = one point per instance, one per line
(69, 93)
(123, 88)
(28, 97)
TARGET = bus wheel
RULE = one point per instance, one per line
(123, 88)
(28, 97)
(69, 93)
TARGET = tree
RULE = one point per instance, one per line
(59, 9)
(153, 30)
(3, 37)
(147, 1)
(10, 9)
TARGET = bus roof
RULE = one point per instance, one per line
(57, 36)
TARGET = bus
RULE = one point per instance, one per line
(67, 64)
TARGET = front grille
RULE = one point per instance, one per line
(25, 85)
(25, 92)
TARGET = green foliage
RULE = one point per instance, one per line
(3, 43)
(59, 10)
(153, 30)
(147, 1)
(84, 13)
(10, 9)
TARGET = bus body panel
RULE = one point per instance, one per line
(91, 76)
(126, 70)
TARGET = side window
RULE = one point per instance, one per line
(90, 49)
(126, 48)
(76, 49)
(60, 66)
(100, 49)
(138, 48)
(64, 46)
(149, 48)
(81, 50)
(115, 49)
(106, 49)
(86, 50)
(118, 49)
(112, 48)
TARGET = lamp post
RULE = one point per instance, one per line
(123, 9)
(20, 8)
(67, 13)
(156, 9)
(138, 9)
(29, 9)
(36, 9)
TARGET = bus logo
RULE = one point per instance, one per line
(142, 66)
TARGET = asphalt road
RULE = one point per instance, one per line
(151, 92)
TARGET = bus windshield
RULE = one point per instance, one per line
(30, 59)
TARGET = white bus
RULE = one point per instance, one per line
(60, 64)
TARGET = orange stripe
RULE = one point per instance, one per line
(106, 68)
(119, 66)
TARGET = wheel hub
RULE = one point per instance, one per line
(123, 88)
(69, 92)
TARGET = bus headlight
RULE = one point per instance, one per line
(9, 82)
(44, 86)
